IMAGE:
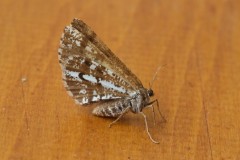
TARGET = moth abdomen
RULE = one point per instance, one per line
(111, 109)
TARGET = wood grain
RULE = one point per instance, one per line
(199, 90)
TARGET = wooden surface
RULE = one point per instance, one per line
(198, 91)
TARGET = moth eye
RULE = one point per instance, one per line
(150, 92)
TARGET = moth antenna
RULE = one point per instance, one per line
(155, 75)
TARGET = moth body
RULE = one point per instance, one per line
(135, 103)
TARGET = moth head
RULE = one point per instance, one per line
(150, 92)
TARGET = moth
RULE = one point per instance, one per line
(92, 73)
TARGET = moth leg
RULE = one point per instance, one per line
(156, 101)
(120, 116)
(146, 124)
(153, 112)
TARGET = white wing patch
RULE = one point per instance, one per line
(90, 78)
(110, 85)
(72, 74)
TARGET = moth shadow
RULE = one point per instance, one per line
(135, 120)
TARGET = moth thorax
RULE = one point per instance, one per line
(140, 100)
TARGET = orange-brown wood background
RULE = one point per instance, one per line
(198, 91)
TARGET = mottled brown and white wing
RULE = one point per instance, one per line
(91, 72)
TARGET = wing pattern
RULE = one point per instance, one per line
(91, 72)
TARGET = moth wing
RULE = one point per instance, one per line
(91, 72)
